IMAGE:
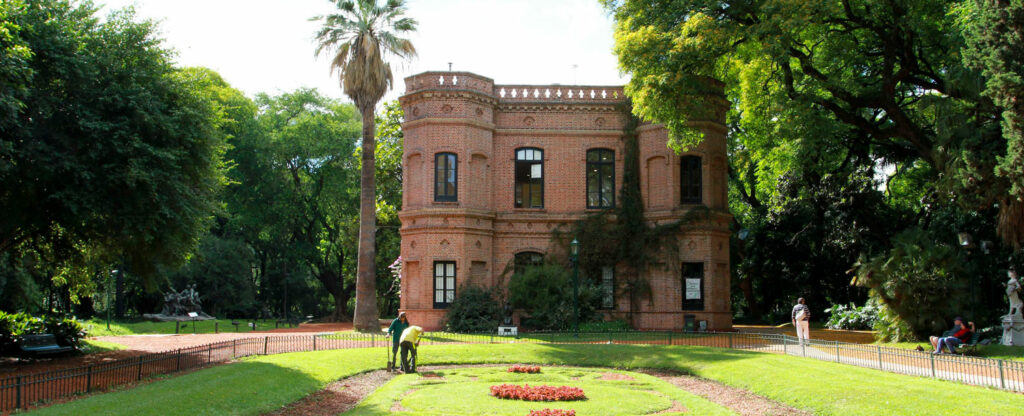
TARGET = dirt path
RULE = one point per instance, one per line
(136, 345)
(343, 395)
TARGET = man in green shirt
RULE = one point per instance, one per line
(409, 341)
(395, 330)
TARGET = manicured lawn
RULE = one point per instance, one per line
(90, 346)
(994, 351)
(262, 384)
(466, 391)
(98, 327)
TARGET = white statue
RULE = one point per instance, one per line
(1013, 292)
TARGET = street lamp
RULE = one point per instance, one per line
(574, 252)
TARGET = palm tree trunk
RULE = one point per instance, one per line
(366, 271)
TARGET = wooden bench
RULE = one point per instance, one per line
(971, 347)
(41, 344)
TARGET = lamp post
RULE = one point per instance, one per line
(574, 252)
(109, 283)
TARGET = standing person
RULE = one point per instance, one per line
(801, 320)
(409, 342)
(395, 330)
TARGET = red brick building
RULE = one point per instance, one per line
(490, 170)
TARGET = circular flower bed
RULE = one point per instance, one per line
(552, 412)
(524, 369)
(537, 393)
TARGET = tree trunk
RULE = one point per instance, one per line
(366, 274)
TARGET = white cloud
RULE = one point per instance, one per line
(266, 45)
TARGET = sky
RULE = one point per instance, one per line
(267, 45)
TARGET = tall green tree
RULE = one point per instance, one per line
(888, 72)
(360, 36)
(107, 152)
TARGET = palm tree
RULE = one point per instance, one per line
(359, 36)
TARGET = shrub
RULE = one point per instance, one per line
(13, 326)
(606, 326)
(475, 309)
(545, 292)
(537, 393)
(852, 317)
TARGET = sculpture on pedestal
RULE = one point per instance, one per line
(1013, 322)
(178, 305)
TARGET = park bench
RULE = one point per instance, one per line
(41, 344)
(971, 347)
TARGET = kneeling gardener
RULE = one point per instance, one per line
(409, 341)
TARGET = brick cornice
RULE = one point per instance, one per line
(557, 132)
(434, 94)
(426, 121)
(560, 107)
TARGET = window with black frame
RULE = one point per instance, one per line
(444, 284)
(600, 178)
(690, 180)
(446, 177)
(529, 178)
(693, 286)
(526, 259)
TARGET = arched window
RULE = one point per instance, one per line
(689, 180)
(446, 177)
(526, 259)
(600, 178)
(529, 178)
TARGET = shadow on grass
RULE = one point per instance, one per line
(239, 388)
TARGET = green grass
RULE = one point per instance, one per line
(98, 327)
(261, 384)
(91, 346)
(466, 391)
(994, 351)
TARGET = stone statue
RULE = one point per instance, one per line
(1013, 293)
(177, 306)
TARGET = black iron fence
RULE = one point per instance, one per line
(20, 391)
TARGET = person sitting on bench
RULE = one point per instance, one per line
(409, 342)
(962, 335)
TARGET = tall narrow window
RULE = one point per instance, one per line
(689, 179)
(529, 178)
(693, 286)
(526, 259)
(444, 284)
(446, 177)
(607, 287)
(600, 178)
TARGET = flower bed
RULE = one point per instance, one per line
(532, 369)
(537, 393)
(552, 412)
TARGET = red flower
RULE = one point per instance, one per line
(537, 393)
(524, 369)
(552, 412)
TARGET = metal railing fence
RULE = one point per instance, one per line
(20, 391)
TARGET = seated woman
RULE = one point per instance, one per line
(963, 334)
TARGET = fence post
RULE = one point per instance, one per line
(266, 340)
(177, 326)
(785, 345)
(1002, 380)
(88, 380)
(209, 354)
(803, 347)
(314, 342)
(837, 350)
(879, 357)
(216, 327)
(233, 343)
(730, 341)
(140, 368)
(178, 365)
(17, 394)
(669, 337)
(933, 364)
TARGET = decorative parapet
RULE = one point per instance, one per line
(559, 94)
(467, 81)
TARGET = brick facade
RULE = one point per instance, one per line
(481, 231)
